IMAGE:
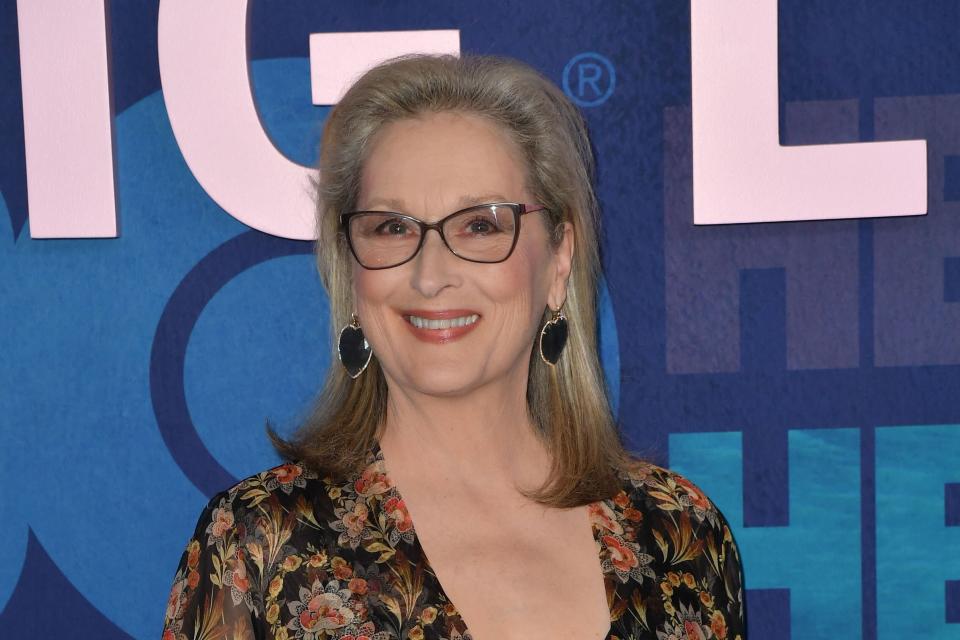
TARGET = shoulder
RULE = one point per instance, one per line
(293, 497)
(669, 544)
(289, 479)
(669, 516)
(287, 495)
(284, 484)
(654, 489)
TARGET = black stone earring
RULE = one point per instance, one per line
(353, 349)
(553, 338)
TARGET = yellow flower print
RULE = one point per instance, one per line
(666, 588)
(317, 560)
(706, 598)
(276, 585)
(273, 611)
(292, 563)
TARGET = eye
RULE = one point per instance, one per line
(393, 227)
(482, 225)
(478, 223)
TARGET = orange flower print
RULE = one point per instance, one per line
(697, 499)
(693, 630)
(674, 578)
(341, 570)
(623, 558)
(241, 581)
(626, 559)
(429, 615)
(193, 554)
(357, 585)
(706, 598)
(175, 599)
(237, 579)
(320, 609)
(292, 563)
(621, 499)
(356, 520)
(286, 477)
(397, 512)
(416, 633)
(222, 523)
(603, 517)
(691, 624)
(689, 580)
(193, 579)
(632, 514)
(372, 481)
(318, 559)
(287, 473)
(666, 587)
(719, 625)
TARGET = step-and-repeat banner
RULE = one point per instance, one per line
(780, 317)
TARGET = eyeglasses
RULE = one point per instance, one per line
(482, 233)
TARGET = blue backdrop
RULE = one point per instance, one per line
(817, 399)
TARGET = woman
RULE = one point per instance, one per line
(458, 246)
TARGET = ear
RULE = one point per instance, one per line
(563, 263)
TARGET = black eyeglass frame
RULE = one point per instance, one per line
(517, 208)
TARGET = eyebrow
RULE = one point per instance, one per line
(397, 205)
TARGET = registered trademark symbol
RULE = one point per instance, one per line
(589, 79)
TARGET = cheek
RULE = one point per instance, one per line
(519, 287)
(371, 290)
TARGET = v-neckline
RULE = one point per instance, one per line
(595, 529)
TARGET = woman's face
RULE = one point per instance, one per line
(429, 167)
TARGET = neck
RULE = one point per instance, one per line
(483, 438)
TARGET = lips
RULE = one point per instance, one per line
(440, 326)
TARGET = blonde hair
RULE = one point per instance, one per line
(568, 402)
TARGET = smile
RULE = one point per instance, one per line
(440, 326)
(444, 323)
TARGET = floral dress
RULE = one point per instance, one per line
(287, 554)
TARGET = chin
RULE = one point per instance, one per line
(442, 377)
(444, 381)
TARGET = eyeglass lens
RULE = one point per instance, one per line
(482, 234)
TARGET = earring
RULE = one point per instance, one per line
(353, 349)
(553, 338)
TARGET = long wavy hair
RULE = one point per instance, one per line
(567, 402)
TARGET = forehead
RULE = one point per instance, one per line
(442, 161)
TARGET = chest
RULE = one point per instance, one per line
(517, 571)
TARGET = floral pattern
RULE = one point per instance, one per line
(289, 555)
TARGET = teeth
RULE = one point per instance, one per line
(448, 323)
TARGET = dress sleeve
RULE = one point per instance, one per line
(214, 594)
(728, 589)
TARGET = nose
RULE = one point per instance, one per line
(435, 267)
